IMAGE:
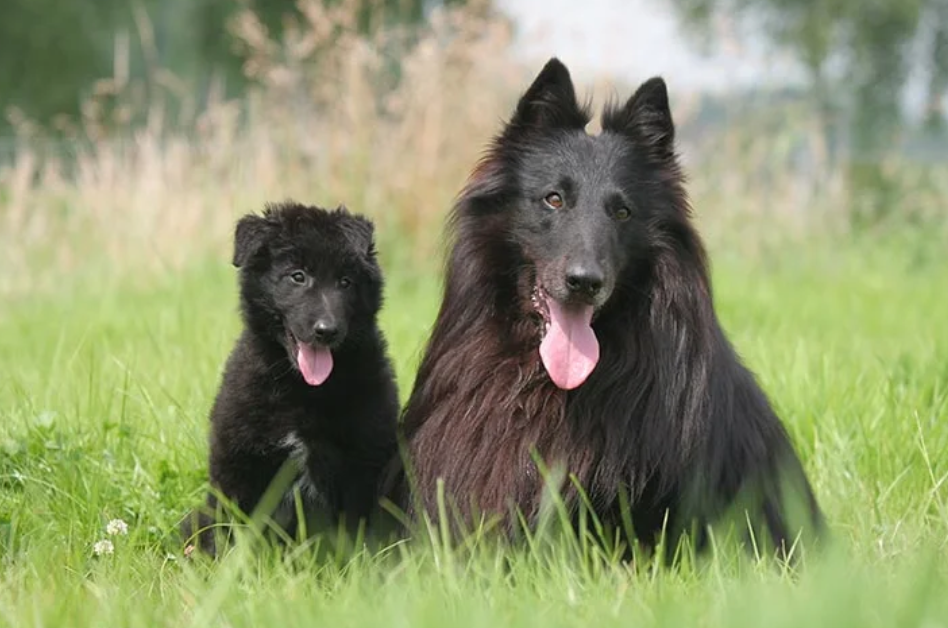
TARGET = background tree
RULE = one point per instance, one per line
(52, 52)
(938, 67)
(857, 55)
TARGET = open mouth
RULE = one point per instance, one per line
(314, 361)
(569, 348)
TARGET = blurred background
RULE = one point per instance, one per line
(133, 133)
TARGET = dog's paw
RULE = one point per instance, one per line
(198, 534)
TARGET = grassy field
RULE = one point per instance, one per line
(118, 307)
(105, 387)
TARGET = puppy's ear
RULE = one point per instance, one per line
(646, 117)
(360, 232)
(250, 236)
(550, 102)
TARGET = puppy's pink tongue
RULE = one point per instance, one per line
(569, 349)
(315, 364)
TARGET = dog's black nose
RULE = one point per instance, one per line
(584, 280)
(325, 331)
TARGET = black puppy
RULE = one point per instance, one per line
(309, 383)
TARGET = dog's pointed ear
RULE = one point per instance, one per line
(361, 233)
(550, 102)
(250, 236)
(646, 116)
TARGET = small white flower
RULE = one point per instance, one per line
(103, 547)
(116, 526)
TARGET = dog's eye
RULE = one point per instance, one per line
(623, 213)
(345, 282)
(553, 200)
(298, 276)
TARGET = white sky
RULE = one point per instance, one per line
(636, 39)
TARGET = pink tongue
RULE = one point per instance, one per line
(569, 349)
(315, 364)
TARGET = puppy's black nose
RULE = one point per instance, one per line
(325, 331)
(584, 280)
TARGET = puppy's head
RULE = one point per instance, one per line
(310, 280)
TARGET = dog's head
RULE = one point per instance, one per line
(578, 208)
(309, 280)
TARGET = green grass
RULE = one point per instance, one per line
(105, 387)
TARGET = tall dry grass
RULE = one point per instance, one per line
(325, 125)
(328, 123)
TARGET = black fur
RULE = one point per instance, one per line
(338, 434)
(670, 421)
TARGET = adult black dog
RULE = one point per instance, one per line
(577, 324)
(309, 380)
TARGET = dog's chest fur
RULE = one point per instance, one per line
(483, 442)
(298, 454)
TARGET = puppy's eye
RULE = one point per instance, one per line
(553, 200)
(298, 276)
(344, 282)
(622, 214)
